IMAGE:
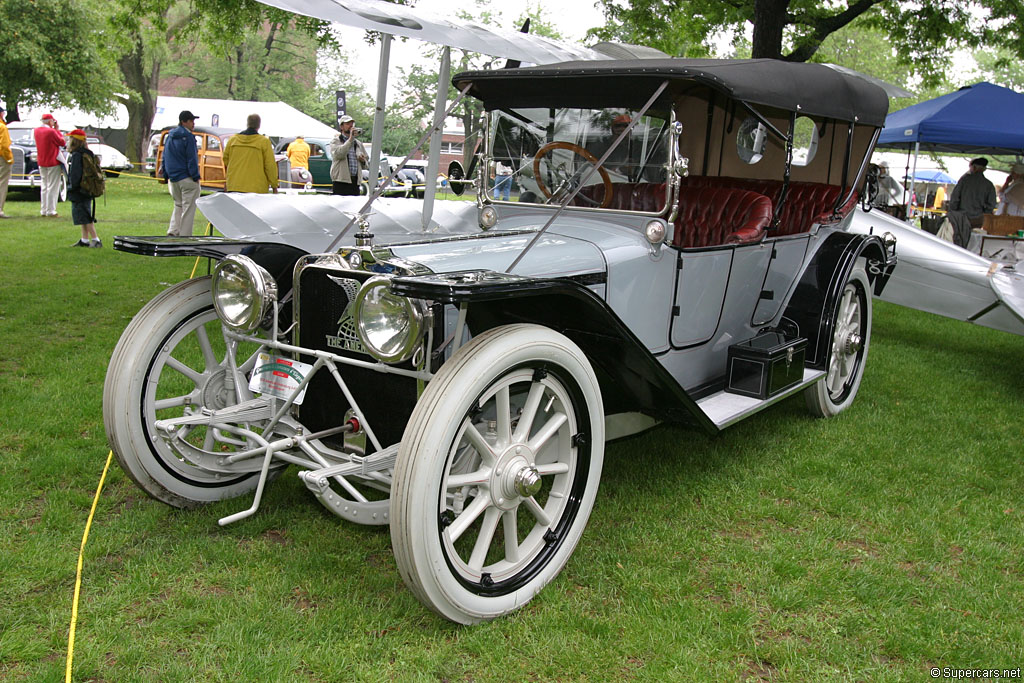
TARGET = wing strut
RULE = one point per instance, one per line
(434, 154)
(377, 138)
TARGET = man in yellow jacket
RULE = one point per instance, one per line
(249, 160)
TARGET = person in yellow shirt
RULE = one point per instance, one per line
(249, 160)
(298, 155)
(6, 161)
(940, 197)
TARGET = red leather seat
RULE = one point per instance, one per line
(806, 203)
(710, 216)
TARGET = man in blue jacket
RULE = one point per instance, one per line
(180, 166)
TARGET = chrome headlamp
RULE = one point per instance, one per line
(244, 293)
(390, 327)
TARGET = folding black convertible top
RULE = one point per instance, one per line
(813, 89)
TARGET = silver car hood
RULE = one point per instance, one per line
(453, 242)
(311, 222)
(939, 277)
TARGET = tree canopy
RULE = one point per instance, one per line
(923, 33)
(53, 55)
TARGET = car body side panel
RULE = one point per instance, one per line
(700, 291)
(788, 254)
(632, 379)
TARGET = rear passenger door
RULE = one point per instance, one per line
(787, 257)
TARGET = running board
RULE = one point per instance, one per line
(726, 409)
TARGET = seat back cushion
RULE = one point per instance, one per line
(711, 216)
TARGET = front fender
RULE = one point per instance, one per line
(278, 259)
(632, 380)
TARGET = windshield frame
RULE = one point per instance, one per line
(664, 133)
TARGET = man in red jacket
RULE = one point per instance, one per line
(49, 142)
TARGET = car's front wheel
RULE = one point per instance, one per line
(172, 361)
(497, 473)
(848, 351)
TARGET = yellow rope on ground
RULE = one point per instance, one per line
(78, 573)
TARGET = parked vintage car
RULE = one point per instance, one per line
(458, 381)
(112, 161)
(210, 144)
(320, 167)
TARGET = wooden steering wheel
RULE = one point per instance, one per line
(576, 149)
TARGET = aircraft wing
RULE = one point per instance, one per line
(409, 22)
(939, 277)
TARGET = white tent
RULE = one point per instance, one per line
(279, 119)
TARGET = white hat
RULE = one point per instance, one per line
(883, 164)
(1018, 169)
(345, 119)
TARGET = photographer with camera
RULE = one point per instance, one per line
(348, 158)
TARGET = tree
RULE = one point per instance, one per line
(275, 63)
(924, 33)
(419, 84)
(52, 56)
(149, 31)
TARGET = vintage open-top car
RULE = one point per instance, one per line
(679, 254)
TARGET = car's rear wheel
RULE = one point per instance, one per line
(172, 361)
(848, 351)
(497, 473)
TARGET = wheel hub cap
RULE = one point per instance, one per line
(854, 342)
(215, 391)
(527, 482)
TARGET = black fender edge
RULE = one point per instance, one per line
(821, 285)
(631, 378)
(277, 259)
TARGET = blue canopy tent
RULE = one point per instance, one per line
(977, 119)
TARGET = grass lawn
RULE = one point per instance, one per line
(873, 546)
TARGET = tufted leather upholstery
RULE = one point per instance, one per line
(709, 216)
(806, 203)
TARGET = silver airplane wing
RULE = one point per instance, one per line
(939, 277)
(408, 22)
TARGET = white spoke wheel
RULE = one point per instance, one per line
(172, 361)
(497, 472)
(848, 350)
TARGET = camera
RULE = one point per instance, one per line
(357, 131)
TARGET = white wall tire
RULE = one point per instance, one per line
(517, 405)
(848, 350)
(169, 360)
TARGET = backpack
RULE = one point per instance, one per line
(93, 181)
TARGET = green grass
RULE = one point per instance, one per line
(872, 546)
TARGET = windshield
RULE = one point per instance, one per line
(541, 155)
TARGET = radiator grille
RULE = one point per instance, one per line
(325, 324)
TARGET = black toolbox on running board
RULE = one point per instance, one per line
(763, 366)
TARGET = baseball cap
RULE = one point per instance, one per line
(345, 119)
(883, 164)
(47, 117)
(186, 115)
(980, 161)
(77, 133)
